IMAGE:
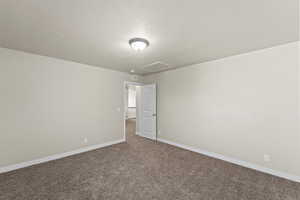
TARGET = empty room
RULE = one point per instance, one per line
(149, 100)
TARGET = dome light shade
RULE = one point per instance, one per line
(138, 44)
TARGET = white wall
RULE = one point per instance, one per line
(48, 106)
(243, 107)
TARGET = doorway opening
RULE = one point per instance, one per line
(139, 111)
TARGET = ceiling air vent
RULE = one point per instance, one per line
(156, 67)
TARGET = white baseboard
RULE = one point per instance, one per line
(56, 156)
(291, 177)
(207, 153)
(145, 136)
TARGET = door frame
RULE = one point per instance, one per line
(126, 100)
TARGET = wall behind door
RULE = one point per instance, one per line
(131, 109)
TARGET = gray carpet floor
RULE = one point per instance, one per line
(140, 169)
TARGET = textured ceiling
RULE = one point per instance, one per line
(96, 32)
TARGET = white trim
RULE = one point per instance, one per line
(148, 137)
(56, 156)
(235, 161)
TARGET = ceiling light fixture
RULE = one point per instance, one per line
(132, 71)
(138, 44)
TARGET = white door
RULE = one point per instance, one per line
(148, 111)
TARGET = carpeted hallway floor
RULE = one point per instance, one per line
(142, 170)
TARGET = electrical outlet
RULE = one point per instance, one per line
(85, 140)
(267, 158)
